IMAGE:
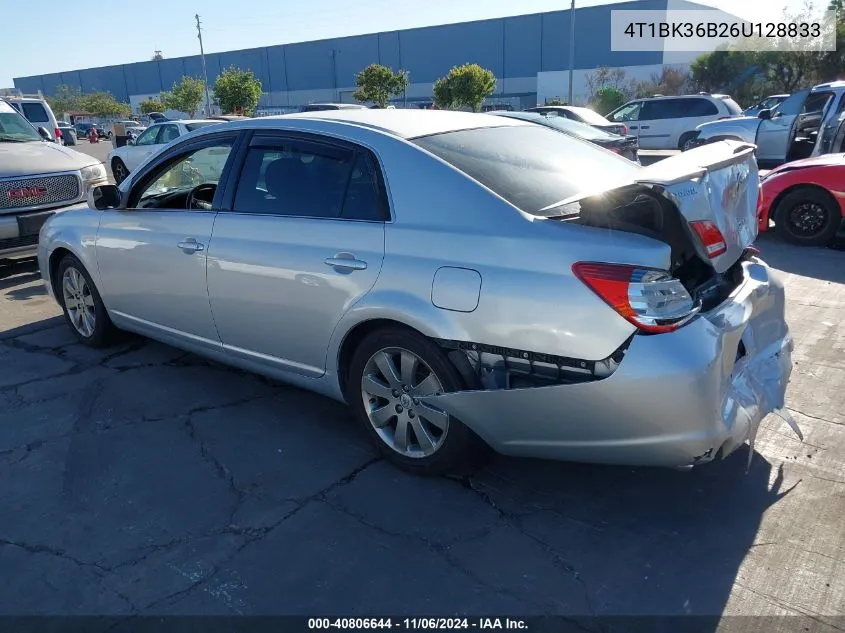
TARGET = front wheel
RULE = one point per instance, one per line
(807, 217)
(390, 372)
(119, 171)
(82, 305)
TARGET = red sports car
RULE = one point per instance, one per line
(806, 200)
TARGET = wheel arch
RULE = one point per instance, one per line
(802, 185)
(416, 316)
(56, 256)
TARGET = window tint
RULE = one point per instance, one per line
(698, 107)
(169, 188)
(628, 112)
(167, 134)
(35, 112)
(657, 109)
(295, 178)
(148, 137)
(364, 199)
(816, 102)
(531, 166)
(793, 103)
(588, 116)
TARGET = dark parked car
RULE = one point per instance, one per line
(583, 115)
(625, 146)
(68, 135)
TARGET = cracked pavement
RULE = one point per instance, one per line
(143, 480)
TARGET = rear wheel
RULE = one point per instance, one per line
(390, 372)
(119, 170)
(807, 217)
(686, 140)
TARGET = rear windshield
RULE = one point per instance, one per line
(732, 106)
(581, 130)
(531, 166)
(35, 112)
(195, 126)
(589, 116)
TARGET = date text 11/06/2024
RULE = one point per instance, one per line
(431, 624)
(723, 29)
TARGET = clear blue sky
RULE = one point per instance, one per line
(124, 35)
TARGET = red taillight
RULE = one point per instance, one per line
(650, 299)
(58, 134)
(711, 237)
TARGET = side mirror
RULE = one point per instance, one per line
(104, 197)
(45, 134)
(764, 114)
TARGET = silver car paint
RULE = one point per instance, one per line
(529, 299)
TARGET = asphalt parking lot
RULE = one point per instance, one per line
(143, 480)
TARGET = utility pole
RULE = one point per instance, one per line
(205, 72)
(571, 48)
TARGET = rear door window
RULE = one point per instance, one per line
(35, 112)
(303, 178)
(698, 107)
(658, 109)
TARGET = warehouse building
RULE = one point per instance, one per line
(528, 54)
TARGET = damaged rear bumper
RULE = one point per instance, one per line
(677, 399)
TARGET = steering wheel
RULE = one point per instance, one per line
(194, 201)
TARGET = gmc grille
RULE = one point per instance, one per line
(33, 192)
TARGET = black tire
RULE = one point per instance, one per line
(685, 138)
(103, 332)
(119, 170)
(460, 449)
(815, 209)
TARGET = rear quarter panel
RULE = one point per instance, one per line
(529, 298)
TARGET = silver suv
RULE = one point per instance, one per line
(37, 178)
(670, 122)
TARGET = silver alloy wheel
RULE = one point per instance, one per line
(79, 302)
(391, 399)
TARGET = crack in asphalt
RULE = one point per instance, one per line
(815, 417)
(514, 521)
(52, 551)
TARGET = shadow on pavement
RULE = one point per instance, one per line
(827, 264)
(645, 542)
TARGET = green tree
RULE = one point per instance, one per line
(464, 86)
(378, 83)
(151, 105)
(103, 104)
(64, 99)
(237, 91)
(185, 96)
(608, 99)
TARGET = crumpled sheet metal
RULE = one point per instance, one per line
(756, 388)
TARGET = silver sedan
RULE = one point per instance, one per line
(460, 280)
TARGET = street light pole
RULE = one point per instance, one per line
(204, 72)
(571, 48)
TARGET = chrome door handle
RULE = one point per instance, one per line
(190, 245)
(345, 261)
(644, 127)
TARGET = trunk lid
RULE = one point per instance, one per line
(716, 183)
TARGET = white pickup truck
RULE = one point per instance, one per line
(37, 178)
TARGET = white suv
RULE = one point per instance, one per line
(36, 110)
(670, 122)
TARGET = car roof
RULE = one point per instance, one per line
(830, 84)
(401, 123)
